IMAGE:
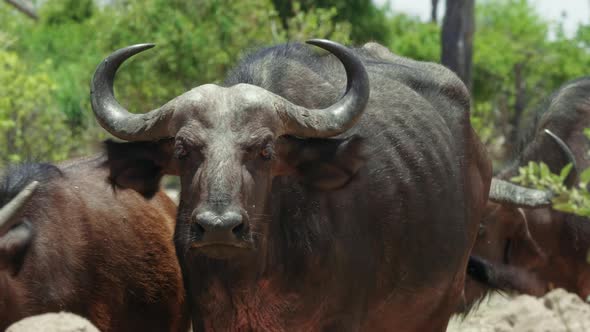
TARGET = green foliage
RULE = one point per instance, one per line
(510, 36)
(368, 22)
(195, 45)
(583, 36)
(198, 45)
(511, 39)
(482, 115)
(321, 22)
(508, 32)
(414, 39)
(60, 12)
(573, 200)
(30, 125)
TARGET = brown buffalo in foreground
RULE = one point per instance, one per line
(68, 242)
(334, 191)
(550, 248)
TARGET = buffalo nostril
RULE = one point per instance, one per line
(200, 228)
(239, 229)
(212, 226)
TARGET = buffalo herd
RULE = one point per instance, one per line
(322, 188)
(542, 247)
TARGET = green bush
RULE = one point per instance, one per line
(572, 200)
(196, 45)
(31, 126)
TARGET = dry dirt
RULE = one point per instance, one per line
(558, 311)
(53, 322)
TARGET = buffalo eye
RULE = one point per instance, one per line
(266, 152)
(179, 150)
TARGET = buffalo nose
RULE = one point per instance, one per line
(220, 227)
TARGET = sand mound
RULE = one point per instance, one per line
(558, 311)
(53, 322)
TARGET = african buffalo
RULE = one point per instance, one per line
(69, 242)
(319, 191)
(520, 229)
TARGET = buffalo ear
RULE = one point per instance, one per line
(526, 252)
(140, 165)
(323, 164)
(13, 247)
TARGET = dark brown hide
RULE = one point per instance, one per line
(369, 230)
(504, 239)
(551, 245)
(107, 256)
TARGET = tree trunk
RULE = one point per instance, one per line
(520, 100)
(434, 11)
(25, 7)
(468, 32)
(457, 38)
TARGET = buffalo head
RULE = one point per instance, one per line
(505, 237)
(227, 144)
(506, 193)
(505, 230)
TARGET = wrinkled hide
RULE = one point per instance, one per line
(366, 230)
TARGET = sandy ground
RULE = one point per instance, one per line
(53, 322)
(558, 311)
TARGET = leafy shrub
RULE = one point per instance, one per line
(31, 126)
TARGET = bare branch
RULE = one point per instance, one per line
(457, 38)
(25, 7)
(434, 11)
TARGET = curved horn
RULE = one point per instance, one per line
(111, 115)
(572, 178)
(504, 192)
(341, 116)
(10, 209)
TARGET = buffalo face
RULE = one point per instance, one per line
(504, 231)
(505, 237)
(226, 157)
